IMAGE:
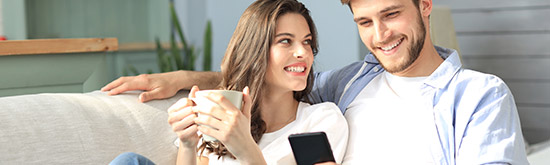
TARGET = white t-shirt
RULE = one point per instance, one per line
(324, 117)
(389, 123)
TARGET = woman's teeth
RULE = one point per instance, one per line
(392, 46)
(295, 69)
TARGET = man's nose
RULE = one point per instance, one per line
(382, 32)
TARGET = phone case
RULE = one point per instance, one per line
(311, 148)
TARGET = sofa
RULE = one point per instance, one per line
(84, 128)
(93, 128)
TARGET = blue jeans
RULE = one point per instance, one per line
(130, 158)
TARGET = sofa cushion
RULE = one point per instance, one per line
(89, 128)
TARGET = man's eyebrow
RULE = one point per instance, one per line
(359, 19)
(389, 8)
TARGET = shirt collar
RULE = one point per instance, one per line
(369, 58)
(447, 70)
(443, 74)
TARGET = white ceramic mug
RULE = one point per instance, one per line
(235, 97)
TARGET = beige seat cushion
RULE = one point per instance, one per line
(89, 128)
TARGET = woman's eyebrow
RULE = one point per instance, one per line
(284, 34)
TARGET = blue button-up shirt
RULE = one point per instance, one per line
(475, 114)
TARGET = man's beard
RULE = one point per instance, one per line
(414, 50)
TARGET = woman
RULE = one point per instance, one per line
(269, 58)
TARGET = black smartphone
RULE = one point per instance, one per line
(310, 148)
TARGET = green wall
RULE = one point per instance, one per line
(131, 21)
(128, 20)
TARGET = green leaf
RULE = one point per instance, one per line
(160, 56)
(132, 69)
(175, 50)
(125, 72)
(168, 64)
(176, 23)
(192, 57)
(207, 59)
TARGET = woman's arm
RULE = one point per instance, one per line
(181, 117)
(163, 85)
(186, 155)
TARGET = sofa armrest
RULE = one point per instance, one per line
(87, 128)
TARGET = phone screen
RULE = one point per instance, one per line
(311, 148)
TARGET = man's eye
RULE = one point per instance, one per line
(364, 23)
(393, 14)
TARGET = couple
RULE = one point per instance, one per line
(408, 102)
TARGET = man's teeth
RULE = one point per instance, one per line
(391, 46)
(295, 69)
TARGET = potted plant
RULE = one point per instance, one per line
(180, 59)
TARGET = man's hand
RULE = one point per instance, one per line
(156, 86)
(163, 85)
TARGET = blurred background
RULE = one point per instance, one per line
(508, 38)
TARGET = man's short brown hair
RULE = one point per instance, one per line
(348, 2)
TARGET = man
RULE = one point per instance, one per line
(408, 101)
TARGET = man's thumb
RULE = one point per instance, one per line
(149, 95)
(143, 97)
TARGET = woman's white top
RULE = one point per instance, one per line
(275, 146)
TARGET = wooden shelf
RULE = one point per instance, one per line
(56, 46)
(144, 46)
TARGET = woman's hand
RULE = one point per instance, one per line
(182, 119)
(231, 126)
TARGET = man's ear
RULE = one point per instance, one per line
(426, 7)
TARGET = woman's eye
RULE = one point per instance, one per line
(284, 41)
(307, 42)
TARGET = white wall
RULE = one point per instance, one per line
(338, 37)
(510, 39)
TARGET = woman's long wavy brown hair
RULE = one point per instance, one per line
(246, 59)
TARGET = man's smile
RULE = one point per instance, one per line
(391, 46)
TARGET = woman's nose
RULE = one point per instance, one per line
(300, 51)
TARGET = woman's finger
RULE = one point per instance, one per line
(212, 110)
(210, 121)
(212, 132)
(191, 131)
(180, 114)
(223, 102)
(247, 105)
(193, 90)
(180, 104)
(183, 123)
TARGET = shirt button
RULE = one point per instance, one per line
(376, 69)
